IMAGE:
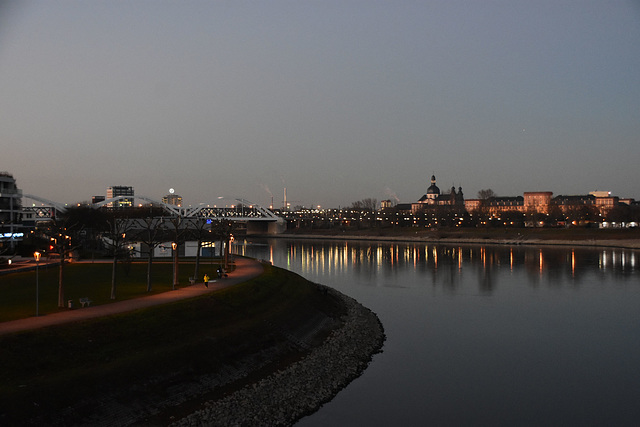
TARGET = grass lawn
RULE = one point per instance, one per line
(93, 280)
(139, 356)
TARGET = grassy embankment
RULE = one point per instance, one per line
(93, 280)
(149, 350)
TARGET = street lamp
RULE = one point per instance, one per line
(36, 255)
(174, 246)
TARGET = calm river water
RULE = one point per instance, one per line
(483, 335)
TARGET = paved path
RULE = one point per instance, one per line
(245, 269)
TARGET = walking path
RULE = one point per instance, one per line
(246, 269)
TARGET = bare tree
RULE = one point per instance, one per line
(199, 229)
(367, 204)
(59, 232)
(483, 212)
(116, 236)
(150, 234)
(179, 228)
(486, 194)
(223, 230)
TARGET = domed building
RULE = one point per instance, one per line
(433, 197)
(433, 192)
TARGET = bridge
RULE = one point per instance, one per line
(259, 220)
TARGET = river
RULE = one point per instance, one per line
(482, 335)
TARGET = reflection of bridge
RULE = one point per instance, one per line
(258, 219)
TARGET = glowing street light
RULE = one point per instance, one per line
(37, 255)
(174, 246)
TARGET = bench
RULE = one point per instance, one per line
(85, 301)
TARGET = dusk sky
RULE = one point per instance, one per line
(335, 100)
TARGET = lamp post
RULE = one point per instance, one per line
(36, 255)
(174, 246)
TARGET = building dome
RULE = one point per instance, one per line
(433, 188)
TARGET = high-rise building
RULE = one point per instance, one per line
(120, 190)
(10, 208)
(172, 199)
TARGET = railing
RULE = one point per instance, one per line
(11, 191)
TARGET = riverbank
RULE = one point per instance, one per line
(301, 388)
(160, 364)
(613, 238)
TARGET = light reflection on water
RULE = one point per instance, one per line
(483, 335)
(446, 263)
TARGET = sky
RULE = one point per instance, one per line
(336, 101)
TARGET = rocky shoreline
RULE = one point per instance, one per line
(303, 387)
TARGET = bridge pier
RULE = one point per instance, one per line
(265, 227)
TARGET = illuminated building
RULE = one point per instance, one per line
(433, 198)
(172, 199)
(120, 190)
(10, 207)
(537, 201)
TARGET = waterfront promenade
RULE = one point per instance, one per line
(355, 336)
(246, 269)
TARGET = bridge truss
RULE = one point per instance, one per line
(240, 210)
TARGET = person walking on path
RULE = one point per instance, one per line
(206, 280)
(246, 269)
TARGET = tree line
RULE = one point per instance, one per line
(88, 232)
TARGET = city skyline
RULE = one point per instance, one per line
(171, 197)
(335, 101)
